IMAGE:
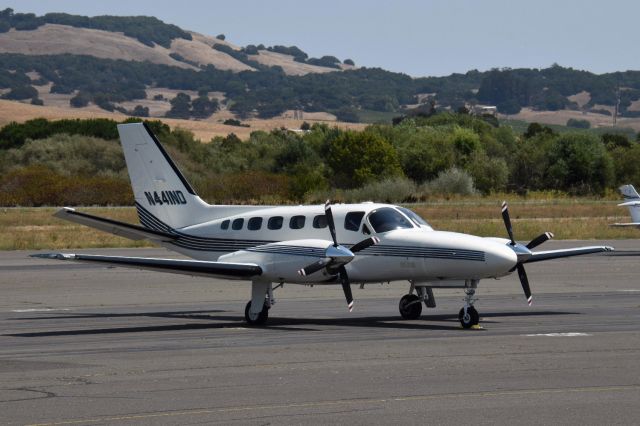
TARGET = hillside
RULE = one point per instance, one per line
(141, 66)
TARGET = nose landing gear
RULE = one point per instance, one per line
(468, 315)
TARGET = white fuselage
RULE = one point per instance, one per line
(284, 239)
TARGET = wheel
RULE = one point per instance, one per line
(470, 319)
(410, 307)
(256, 319)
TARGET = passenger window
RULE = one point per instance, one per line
(320, 221)
(254, 223)
(352, 221)
(236, 225)
(275, 222)
(297, 222)
(225, 224)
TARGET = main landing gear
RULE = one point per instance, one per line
(410, 306)
(261, 295)
(259, 318)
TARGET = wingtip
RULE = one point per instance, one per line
(530, 300)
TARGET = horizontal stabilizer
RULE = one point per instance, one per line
(557, 254)
(177, 266)
(634, 203)
(122, 229)
(636, 224)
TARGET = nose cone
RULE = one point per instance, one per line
(500, 258)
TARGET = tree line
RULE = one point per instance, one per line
(80, 162)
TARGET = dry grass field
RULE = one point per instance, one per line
(202, 129)
(572, 218)
(561, 117)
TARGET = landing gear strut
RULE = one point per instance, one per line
(468, 315)
(261, 294)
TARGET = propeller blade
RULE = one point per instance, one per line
(314, 267)
(525, 283)
(332, 225)
(346, 286)
(364, 244)
(507, 222)
(539, 240)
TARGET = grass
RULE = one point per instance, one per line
(567, 218)
(520, 126)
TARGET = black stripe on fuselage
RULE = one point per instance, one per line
(226, 245)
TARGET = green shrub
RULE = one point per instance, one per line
(451, 181)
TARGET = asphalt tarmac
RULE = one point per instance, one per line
(85, 344)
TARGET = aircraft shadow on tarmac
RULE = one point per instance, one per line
(275, 323)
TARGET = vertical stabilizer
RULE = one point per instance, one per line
(161, 191)
(629, 192)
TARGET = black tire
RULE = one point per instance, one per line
(472, 318)
(410, 307)
(260, 319)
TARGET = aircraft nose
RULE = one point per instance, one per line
(501, 258)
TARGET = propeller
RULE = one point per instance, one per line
(336, 256)
(522, 251)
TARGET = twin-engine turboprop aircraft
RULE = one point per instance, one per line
(332, 244)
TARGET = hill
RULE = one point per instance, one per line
(142, 66)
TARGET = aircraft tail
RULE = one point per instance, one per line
(629, 192)
(164, 198)
(631, 201)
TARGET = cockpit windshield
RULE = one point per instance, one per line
(415, 218)
(387, 219)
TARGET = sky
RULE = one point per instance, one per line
(419, 38)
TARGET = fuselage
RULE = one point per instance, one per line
(287, 238)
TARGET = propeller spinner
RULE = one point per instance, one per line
(336, 256)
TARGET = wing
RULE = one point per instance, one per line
(557, 254)
(626, 224)
(176, 266)
(127, 230)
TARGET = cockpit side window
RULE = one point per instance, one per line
(387, 219)
(352, 221)
(415, 218)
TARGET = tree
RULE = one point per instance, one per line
(357, 158)
(578, 124)
(536, 128)
(349, 62)
(80, 100)
(221, 37)
(203, 107)
(140, 111)
(21, 92)
(180, 106)
(579, 163)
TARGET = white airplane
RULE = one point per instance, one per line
(631, 201)
(310, 245)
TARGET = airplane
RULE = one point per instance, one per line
(333, 244)
(632, 202)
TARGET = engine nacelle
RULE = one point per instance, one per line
(281, 261)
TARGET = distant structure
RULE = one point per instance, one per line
(484, 110)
